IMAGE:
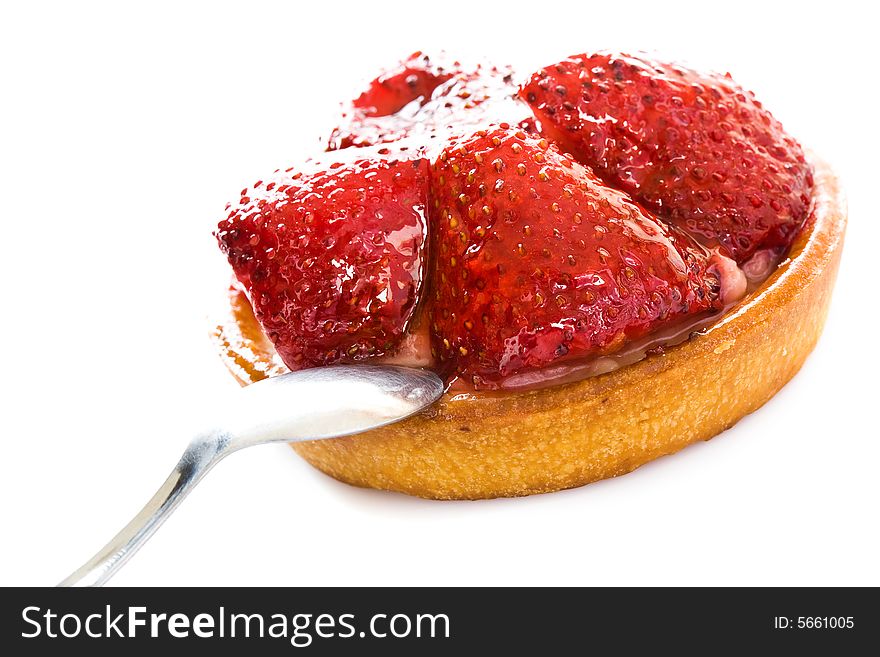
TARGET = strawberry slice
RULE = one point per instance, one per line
(695, 148)
(423, 99)
(537, 261)
(413, 80)
(332, 257)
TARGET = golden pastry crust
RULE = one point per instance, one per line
(490, 445)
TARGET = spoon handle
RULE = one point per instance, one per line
(311, 404)
(201, 455)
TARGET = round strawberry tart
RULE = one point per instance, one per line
(606, 260)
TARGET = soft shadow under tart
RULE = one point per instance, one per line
(482, 446)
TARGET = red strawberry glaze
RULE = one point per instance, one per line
(434, 234)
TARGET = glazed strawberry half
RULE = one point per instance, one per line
(413, 81)
(332, 256)
(423, 98)
(539, 262)
(695, 148)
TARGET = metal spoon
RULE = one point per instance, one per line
(325, 402)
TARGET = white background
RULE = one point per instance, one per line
(124, 131)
